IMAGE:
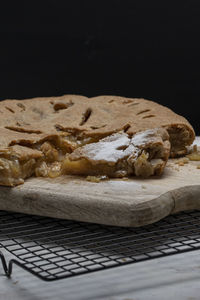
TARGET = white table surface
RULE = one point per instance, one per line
(173, 277)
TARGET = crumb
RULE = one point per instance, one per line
(96, 179)
(124, 259)
(143, 186)
(104, 177)
(185, 160)
(195, 148)
(192, 149)
(93, 179)
(198, 167)
(195, 156)
(182, 161)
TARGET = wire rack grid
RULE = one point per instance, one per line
(52, 249)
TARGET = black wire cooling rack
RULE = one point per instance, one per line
(53, 249)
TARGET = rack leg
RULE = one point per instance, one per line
(7, 269)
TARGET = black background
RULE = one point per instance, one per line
(131, 48)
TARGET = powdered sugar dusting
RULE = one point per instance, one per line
(110, 149)
(116, 147)
(107, 149)
(141, 138)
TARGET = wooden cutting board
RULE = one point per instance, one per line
(132, 202)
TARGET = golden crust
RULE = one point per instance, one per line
(30, 121)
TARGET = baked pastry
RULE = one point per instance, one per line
(58, 135)
(119, 155)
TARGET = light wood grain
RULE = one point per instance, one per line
(132, 202)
